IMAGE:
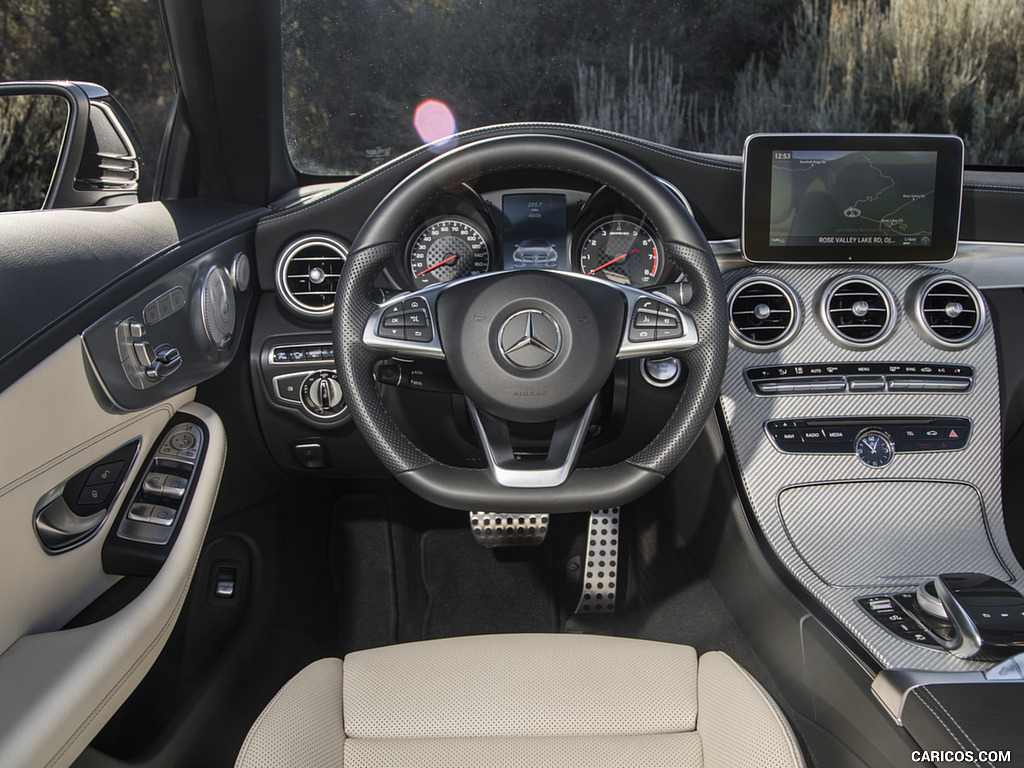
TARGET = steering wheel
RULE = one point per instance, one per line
(529, 345)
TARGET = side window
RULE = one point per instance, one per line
(32, 131)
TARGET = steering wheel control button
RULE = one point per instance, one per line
(406, 320)
(652, 314)
(530, 339)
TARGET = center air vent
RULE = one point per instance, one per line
(949, 310)
(308, 273)
(763, 312)
(858, 309)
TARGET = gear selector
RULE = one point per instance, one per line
(986, 614)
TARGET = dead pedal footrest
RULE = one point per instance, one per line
(601, 574)
(491, 529)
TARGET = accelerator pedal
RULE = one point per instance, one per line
(491, 529)
(601, 574)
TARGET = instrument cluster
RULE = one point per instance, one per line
(595, 233)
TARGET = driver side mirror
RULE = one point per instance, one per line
(65, 145)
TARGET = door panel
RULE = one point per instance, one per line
(68, 276)
(58, 687)
(54, 428)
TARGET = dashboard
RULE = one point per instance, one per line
(862, 402)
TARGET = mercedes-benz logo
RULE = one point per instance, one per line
(530, 339)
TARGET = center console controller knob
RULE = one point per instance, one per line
(987, 614)
(929, 600)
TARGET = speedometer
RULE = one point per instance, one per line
(622, 250)
(447, 249)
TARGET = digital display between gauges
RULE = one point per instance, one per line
(447, 249)
(622, 250)
(534, 231)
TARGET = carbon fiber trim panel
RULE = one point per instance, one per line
(883, 533)
(972, 536)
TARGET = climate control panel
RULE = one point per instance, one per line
(860, 378)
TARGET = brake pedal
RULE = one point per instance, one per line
(491, 529)
(601, 574)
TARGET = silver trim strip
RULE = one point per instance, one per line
(546, 476)
(892, 687)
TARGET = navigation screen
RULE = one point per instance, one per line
(840, 198)
(535, 233)
(828, 198)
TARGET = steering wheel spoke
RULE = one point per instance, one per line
(655, 326)
(406, 324)
(511, 471)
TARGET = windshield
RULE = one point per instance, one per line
(366, 80)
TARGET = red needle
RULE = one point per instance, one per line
(442, 261)
(607, 263)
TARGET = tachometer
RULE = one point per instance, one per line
(447, 249)
(622, 250)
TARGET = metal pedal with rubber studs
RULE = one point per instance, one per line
(491, 529)
(600, 576)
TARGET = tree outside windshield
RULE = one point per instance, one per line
(366, 80)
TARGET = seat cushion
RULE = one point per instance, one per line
(523, 700)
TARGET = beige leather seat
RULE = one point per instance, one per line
(524, 701)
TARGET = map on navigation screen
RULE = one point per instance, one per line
(825, 198)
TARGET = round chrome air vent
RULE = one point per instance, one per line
(763, 313)
(858, 310)
(948, 311)
(307, 275)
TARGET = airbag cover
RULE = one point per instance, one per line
(530, 346)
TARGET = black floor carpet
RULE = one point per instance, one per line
(472, 590)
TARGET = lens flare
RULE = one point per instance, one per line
(433, 121)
